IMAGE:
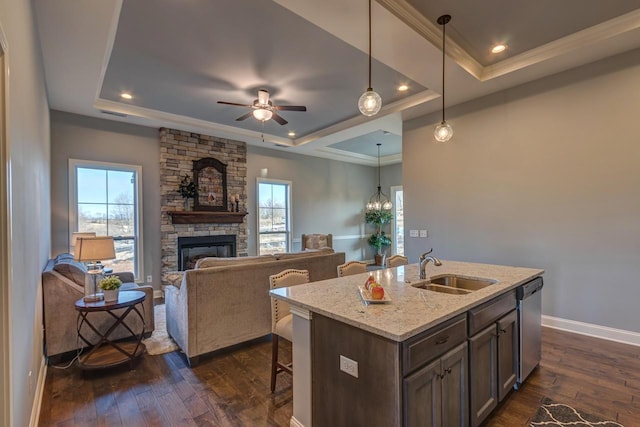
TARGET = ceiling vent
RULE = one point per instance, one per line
(282, 145)
(113, 113)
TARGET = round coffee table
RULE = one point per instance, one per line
(106, 353)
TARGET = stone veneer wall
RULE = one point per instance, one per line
(178, 150)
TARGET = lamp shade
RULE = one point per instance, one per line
(91, 249)
(78, 234)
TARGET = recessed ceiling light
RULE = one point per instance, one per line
(499, 48)
(403, 88)
(126, 95)
(292, 133)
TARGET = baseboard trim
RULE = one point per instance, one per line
(589, 329)
(37, 401)
(295, 423)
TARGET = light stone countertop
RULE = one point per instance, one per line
(411, 310)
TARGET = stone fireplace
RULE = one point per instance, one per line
(191, 249)
(178, 152)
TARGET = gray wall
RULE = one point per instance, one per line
(543, 175)
(27, 134)
(328, 197)
(80, 137)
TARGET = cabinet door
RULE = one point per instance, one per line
(483, 363)
(422, 397)
(507, 353)
(455, 389)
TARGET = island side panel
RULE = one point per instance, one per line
(339, 399)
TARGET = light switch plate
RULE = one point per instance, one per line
(423, 233)
(413, 233)
(349, 366)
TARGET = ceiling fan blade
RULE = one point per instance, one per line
(233, 103)
(290, 108)
(279, 119)
(244, 117)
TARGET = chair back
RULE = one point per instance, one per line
(286, 278)
(352, 267)
(397, 260)
(317, 241)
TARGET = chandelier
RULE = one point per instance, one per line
(379, 201)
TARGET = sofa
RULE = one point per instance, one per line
(225, 301)
(63, 282)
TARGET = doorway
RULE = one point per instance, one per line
(5, 248)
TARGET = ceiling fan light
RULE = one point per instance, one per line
(443, 132)
(262, 114)
(370, 103)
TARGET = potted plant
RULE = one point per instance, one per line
(110, 285)
(187, 190)
(379, 240)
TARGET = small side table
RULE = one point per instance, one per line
(105, 352)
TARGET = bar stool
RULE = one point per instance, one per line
(352, 267)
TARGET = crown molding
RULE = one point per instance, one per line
(362, 159)
(581, 39)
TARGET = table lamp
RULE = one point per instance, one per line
(78, 234)
(91, 250)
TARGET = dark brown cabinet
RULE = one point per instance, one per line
(436, 395)
(507, 353)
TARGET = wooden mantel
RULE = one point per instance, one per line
(206, 217)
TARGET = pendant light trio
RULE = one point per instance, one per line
(370, 101)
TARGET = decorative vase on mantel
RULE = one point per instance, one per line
(187, 205)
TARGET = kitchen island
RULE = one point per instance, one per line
(365, 364)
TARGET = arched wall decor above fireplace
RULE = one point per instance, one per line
(210, 177)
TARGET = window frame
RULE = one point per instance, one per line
(394, 226)
(289, 209)
(74, 164)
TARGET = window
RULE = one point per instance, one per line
(105, 198)
(274, 213)
(398, 219)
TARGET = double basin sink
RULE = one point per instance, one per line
(455, 285)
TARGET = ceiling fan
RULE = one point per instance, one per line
(263, 109)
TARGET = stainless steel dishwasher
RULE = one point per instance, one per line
(529, 298)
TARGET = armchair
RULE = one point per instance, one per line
(316, 241)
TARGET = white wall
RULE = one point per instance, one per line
(28, 144)
(86, 138)
(328, 197)
(543, 175)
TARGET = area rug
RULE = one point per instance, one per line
(160, 342)
(557, 414)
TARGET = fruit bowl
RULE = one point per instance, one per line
(365, 294)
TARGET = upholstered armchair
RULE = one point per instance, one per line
(316, 241)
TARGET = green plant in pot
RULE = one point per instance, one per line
(379, 240)
(188, 190)
(110, 285)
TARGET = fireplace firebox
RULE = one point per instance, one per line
(191, 249)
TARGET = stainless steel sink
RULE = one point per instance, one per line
(456, 285)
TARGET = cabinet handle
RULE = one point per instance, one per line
(442, 340)
(447, 371)
(504, 331)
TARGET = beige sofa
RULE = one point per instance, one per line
(225, 301)
(62, 285)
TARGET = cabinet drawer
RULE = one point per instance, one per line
(433, 343)
(491, 311)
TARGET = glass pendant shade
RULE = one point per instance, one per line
(262, 114)
(370, 103)
(443, 132)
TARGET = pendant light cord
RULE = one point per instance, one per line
(370, 87)
(444, 32)
(379, 186)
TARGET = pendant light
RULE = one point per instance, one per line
(379, 201)
(443, 131)
(370, 102)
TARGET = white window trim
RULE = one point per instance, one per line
(392, 193)
(73, 191)
(289, 213)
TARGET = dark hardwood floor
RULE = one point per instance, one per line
(232, 388)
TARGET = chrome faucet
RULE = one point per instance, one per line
(424, 260)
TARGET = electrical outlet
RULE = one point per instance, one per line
(149, 279)
(423, 233)
(413, 233)
(349, 366)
